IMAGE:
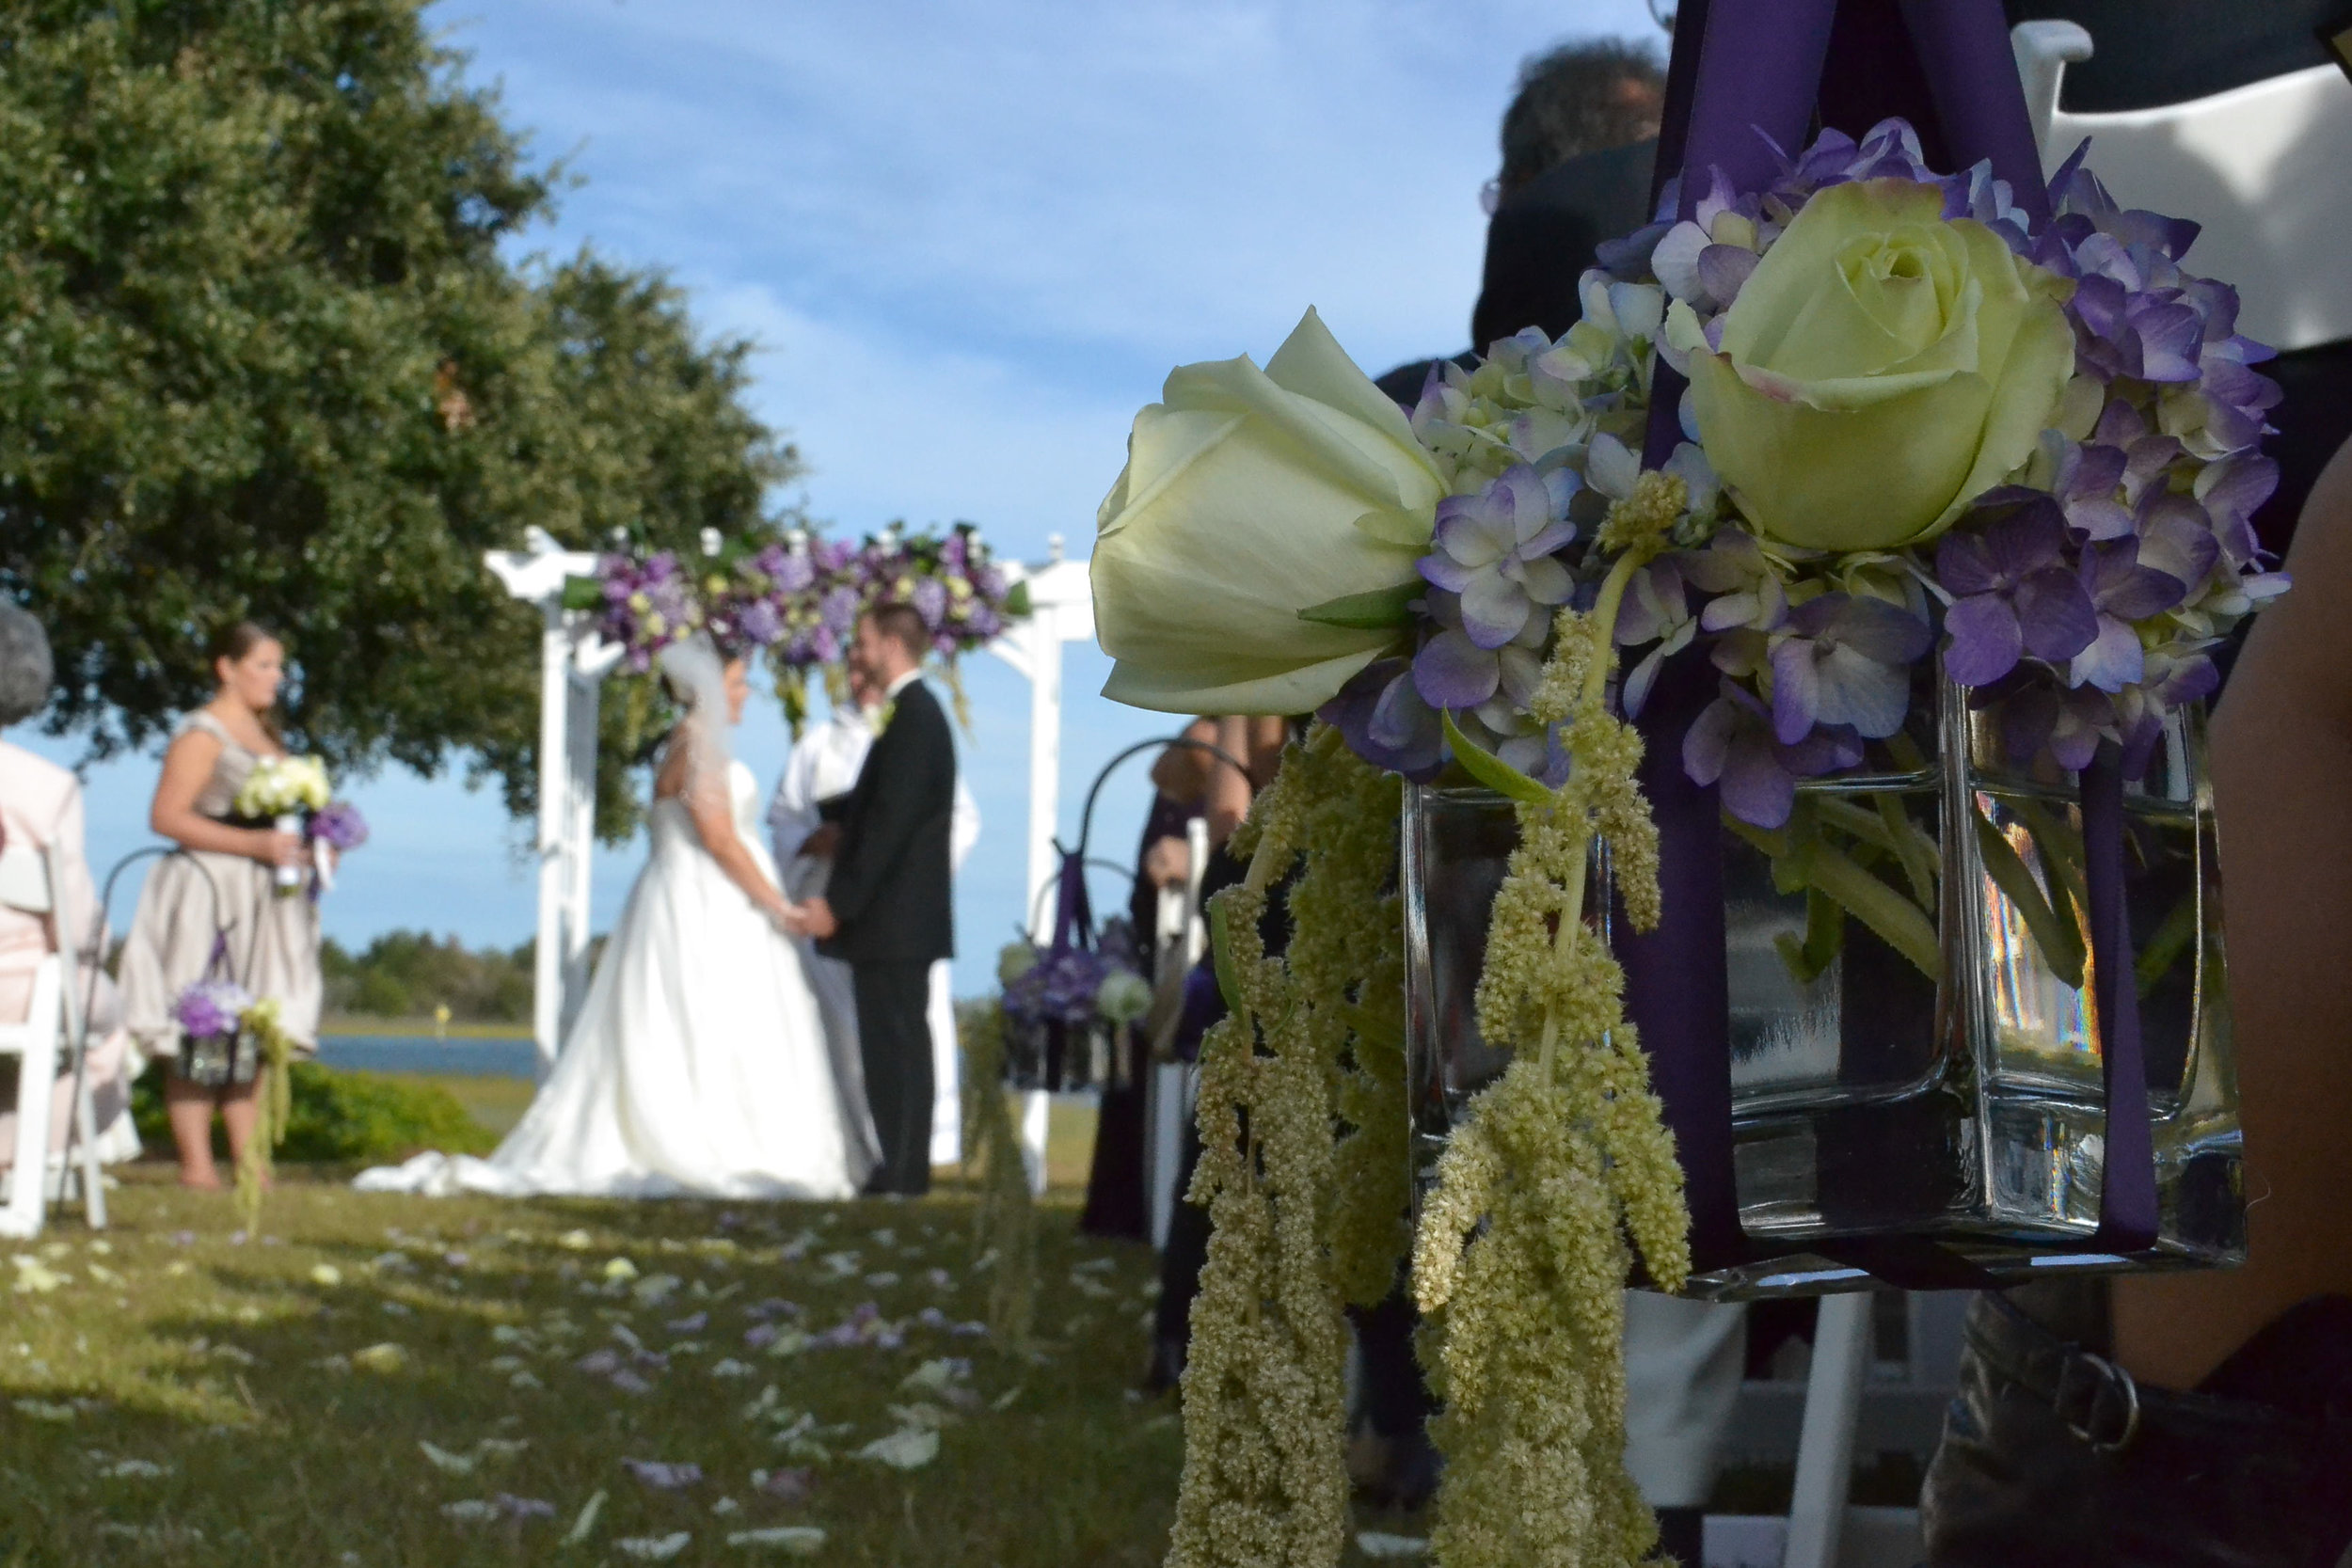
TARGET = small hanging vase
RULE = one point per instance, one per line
(1919, 1039)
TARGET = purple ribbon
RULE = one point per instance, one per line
(1744, 80)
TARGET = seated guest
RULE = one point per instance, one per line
(40, 805)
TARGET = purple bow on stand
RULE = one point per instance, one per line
(1742, 72)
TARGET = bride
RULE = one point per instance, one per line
(698, 1064)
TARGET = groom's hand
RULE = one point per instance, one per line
(817, 919)
(821, 844)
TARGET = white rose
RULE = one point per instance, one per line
(1249, 497)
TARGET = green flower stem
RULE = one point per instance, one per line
(1813, 865)
(2061, 849)
(2171, 939)
(2060, 940)
(1919, 858)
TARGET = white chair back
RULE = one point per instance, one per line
(25, 881)
(2266, 168)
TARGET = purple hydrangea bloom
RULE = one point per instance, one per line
(1495, 551)
(211, 1009)
(339, 824)
(2012, 596)
(1454, 670)
(1655, 609)
(1846, 662)
(1732, 743)
(2123, 591)
(2070, 722)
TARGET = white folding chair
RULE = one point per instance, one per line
(2261, 168)
(33, 880)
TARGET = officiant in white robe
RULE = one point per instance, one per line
(825, 763)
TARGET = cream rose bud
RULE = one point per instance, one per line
(1249, 497)
(1881, 369)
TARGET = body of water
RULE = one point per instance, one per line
(462, 1058)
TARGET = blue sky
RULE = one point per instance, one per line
(969, 240)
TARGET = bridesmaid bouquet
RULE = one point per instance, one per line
(284, 791)
(211, 1009)
(1923, 439)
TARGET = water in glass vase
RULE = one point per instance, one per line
(1916, 1054)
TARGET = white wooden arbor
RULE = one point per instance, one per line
(573, 663)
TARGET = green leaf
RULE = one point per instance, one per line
(1017, 600)
(1374, 611)
(584, 593)
(2061, 942)
(1491, 770)
(1898, 922)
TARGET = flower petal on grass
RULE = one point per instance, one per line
(470, 1511)
(327, 1275)
(383, 1359)
(653, 1548)
(732, 1368)
(910, 1449)
(791, 1540)
(447, 1463)
(791, 1485)
(585, 1523)
(664, 1477)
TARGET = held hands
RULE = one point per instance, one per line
(817, 920)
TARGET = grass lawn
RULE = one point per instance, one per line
(171, 1393)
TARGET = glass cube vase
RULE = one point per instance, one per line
(1871, 1101)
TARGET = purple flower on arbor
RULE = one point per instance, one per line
(1847, 663)
(1733, 743)
(2122, 591)
(2012, 596)
(1495, 550)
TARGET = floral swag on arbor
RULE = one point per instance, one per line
(1927, 446)
(798, 599)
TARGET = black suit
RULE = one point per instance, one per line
(889, 894)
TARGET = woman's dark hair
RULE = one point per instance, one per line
(25, 667)
(234, 642)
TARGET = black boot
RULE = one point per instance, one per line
(2052, 1454)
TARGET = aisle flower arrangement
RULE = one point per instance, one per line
(1922, 440)
(223, 1015)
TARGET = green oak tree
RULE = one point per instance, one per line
(269, 348)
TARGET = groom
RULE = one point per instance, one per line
(887, 911)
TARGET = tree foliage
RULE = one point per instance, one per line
(266, 351)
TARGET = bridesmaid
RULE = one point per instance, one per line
(215, 908)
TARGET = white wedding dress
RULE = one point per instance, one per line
(698, 1065)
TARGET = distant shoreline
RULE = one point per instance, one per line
(421, 1028)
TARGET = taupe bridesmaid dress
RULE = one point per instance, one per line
(268, 941)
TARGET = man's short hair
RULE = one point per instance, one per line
(25, 667)
(903, 624)
(1579, 98)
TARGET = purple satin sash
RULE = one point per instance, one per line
(1741, 68)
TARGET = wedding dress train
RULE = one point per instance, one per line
(697, 1065)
